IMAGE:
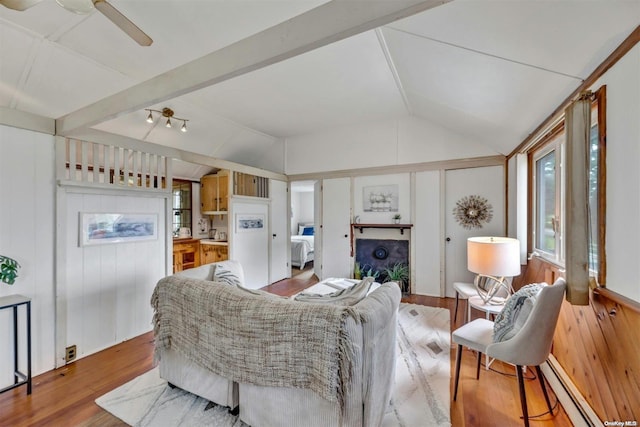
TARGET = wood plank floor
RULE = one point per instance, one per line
(65, 396)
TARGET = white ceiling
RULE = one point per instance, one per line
(489, 69)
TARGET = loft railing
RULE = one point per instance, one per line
(103, 165)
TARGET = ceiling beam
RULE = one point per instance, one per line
(326, 24)
(29, 121)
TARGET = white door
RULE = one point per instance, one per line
(250, 241)
(335, 226)
(317, 221)
(279, 241)
(487, 182)
(427, 235)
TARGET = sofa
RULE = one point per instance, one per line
(282, 361)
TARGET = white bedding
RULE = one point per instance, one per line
(301, 250)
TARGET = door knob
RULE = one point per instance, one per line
(448, 239)
(346, 235)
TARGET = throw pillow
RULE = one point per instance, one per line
(224, 275)
(345, 297)
(515, 312)
(308, 231)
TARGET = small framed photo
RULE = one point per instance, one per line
(249, 222)
(103, 228)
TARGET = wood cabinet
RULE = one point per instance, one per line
(214, 192)
(213, 253)
(186, 254)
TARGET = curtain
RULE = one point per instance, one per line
(578, 126)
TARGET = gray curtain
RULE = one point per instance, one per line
(578, 125)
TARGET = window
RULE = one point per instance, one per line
(548, 181)
(181, 204)
(549, 198)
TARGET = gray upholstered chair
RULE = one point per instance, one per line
(530, 346)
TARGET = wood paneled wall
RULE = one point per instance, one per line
(598, 346)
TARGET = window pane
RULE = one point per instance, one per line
(593, 198)
(546, 202)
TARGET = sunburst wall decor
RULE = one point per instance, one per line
(473, 211)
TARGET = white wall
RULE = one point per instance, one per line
(623, 174)
(392, 142)
(27, 189)
(302, 208)
(107, 288)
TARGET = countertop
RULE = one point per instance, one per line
(213, 242)
(202, 241)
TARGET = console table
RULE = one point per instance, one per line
(14, 301)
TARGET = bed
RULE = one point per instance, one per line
(302, 246)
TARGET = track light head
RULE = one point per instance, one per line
(168, 123)
(150, 117)
(184, 126)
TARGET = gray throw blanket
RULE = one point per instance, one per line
(257, 339)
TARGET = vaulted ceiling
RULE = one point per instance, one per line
(489, 69)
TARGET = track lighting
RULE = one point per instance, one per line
(168, 113)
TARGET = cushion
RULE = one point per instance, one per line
(344, 297)
(515, 312)
(308, 231)
(225, 275)
(205, 272)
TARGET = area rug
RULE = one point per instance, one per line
(420, 396)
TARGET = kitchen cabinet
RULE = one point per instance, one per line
(186, 254)
(213, 253)
(214, 193)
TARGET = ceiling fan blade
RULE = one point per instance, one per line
(19, 4)
(123, 22)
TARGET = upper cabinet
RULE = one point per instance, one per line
(214, 193)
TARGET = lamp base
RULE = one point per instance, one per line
(492, 290)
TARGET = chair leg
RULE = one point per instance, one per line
(544, 389)
(523, 396)
(457, 377)
(455, 314)
(478, 362)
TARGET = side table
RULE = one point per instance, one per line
(477, 303)
(14, 301)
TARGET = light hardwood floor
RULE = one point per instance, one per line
(65, 396)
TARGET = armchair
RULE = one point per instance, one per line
(530, 346)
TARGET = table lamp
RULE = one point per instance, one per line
(493, 259)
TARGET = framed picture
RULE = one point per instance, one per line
(380, 198)
(249, 222)
(103, 228)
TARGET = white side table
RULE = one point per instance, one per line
(477, 303)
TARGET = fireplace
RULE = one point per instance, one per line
(376, 255)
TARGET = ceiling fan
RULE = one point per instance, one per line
(83, 7)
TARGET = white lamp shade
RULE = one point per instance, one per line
(493, 256)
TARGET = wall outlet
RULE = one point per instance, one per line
(70, 354)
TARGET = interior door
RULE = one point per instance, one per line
(279, 241)
(317, 221)
(335, 226)
(250, 241)
(487, 182)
